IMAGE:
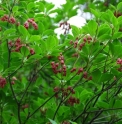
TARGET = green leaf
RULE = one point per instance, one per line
(24, 15)
(105, 16)
(85, 29)
(95, 12)
(55, 52)
(43, 47)
(63, 109)
(41, 7)
(85, 50)
(115, 23)
(111, 102)
(41, 27)
(110, 14)
(94, 47)
(38, 101)
(117, 35)
(101, 57)
(16, 54)
(85, 94)
(39, 81)
(111, 47)
(104, 29)
(1, 68)
(34, 38)
(33, 58)
(51, 42)
(75, 30)
(104, 37)
(30, 6)
(9, 32)
(114, 71)
(73, 122)
(103, 96)
(96, 75)
(92, 26)
(119, 19)
(3, 95)
(48, 32)
(106, 77)
(52, 121)
(102, 104)
(49, 7)
(117, 50)
(119, 6)
(24, 32)
(37, 49)
(25, 51)
(2, 12)
(118, 104)
(10, 69)
(112, 7)
(56, 41)
(15, 9)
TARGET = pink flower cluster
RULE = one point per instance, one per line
(32, 22)
(2, 82)
(8, 19)
(119, 61)
(55, 66)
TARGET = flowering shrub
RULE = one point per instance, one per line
(73, 79)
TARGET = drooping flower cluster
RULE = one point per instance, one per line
(32, 22)
(65, 26)
(16, 46)
(79, 45)
(13, 80)
(6, 18)
(117, 14)
(73, 100)
(65, 92)
(119, 62)
(59, 67)
(81, 71)
(68, 90)
(87, 38)
(12, 20)
(2, 82)
(78, 72)
(25, 106)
